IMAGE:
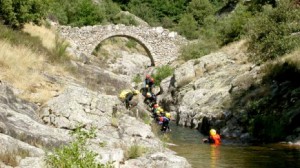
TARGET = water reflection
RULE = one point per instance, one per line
(214, 155)
(189, 145)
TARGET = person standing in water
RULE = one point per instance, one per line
(214, 137)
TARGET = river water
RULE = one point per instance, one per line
(229, 155)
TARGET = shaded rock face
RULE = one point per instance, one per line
(201, 89)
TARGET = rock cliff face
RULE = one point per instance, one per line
(200, 89)
(28, 131)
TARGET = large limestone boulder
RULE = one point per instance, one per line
(134, 128)
(158, 159)
(19, 120)
(79, 106)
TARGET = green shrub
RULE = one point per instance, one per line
(131, 43)
(122, 18)
(231, 28)
(137, 79)
(270, 32)
(197, 50)
(161, 73)
(76, 154)
(200, 9)
(59, 52)
(135, 151)
(18, 12)
(82, 12)
(188, 27)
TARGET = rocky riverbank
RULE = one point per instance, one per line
(29, 130)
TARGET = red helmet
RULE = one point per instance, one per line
(155, 105)
(147, 76)
(152, 79)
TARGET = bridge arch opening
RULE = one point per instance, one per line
(147, 48)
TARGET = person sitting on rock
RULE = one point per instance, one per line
(214, 137)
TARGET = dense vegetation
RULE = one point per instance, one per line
(271, 109)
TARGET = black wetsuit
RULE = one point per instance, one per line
(128, 98)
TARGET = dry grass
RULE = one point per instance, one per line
(23, 67)
(46, 35)
(20, 64)
(237, 50)
(294, 57)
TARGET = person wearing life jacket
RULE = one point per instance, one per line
(154, 110)
(146, 82)
(164, 121)
(213, 138)
(168, 115)
(151, 85)
(159, 113)
(127, 95)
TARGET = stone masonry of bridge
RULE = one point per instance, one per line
(161, 45)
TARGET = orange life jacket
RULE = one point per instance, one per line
(216, 138)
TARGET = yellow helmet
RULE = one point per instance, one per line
(168, 115)
(212, 132)
(136, 92)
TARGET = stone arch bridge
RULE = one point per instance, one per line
(161, 45)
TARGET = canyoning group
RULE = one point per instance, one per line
(150, 99)
(162, 117)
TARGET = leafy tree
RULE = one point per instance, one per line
(200, 9)
(271, 31)
(232, 27)
(83, 12)
(188, 26)
(16, 13)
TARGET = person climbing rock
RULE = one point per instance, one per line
(126, 97)
(214, 138)
(150, 99)
(159, 113)
(154, 110)
(164, 121)
(147, 81)
(151, 85)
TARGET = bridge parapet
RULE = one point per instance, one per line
(161, 45)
